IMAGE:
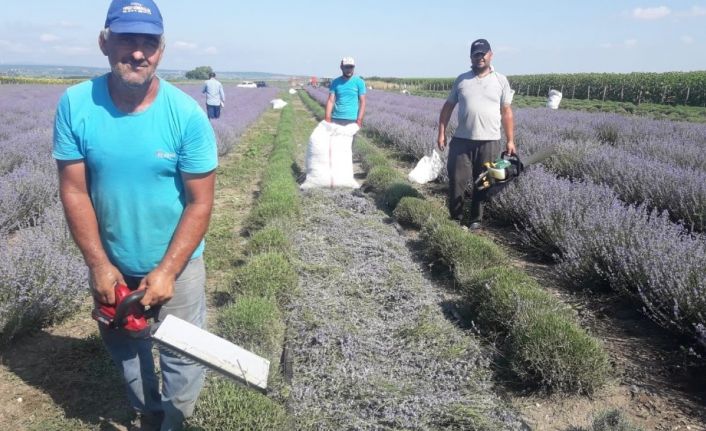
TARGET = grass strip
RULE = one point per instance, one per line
(545, 345)
(252, 317)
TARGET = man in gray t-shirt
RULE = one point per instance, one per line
(483, 97)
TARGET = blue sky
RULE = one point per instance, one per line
(386, 37)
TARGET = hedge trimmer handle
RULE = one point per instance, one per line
(127, 314)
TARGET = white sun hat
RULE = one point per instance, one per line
(347, 61)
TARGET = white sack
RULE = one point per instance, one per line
(553, 99)
(427, 169)
(292, 91)
(329, 156)
(278, 103)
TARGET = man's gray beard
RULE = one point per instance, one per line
(132, 86)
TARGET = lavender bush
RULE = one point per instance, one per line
(42, 276)
(599, 239)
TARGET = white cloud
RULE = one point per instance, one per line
(211, 50)
(48, 37)
(651, 13)
(629, 43)
(607, 45)
(686, 39)
(184, 46)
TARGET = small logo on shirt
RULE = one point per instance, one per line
(165, 155)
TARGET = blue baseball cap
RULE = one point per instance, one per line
(142, 17)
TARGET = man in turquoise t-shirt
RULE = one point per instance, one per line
(346, 100)
(137, 160)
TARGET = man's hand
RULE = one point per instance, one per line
(510, 148)
(104, 278)
(327, 119)
(359, 122)
(159, 285)
(441, 142)
(223, 104)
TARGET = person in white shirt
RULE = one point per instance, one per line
(215, 96)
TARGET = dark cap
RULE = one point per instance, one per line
(480, 45)
(142, 17)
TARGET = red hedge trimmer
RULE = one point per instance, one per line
(182, 338)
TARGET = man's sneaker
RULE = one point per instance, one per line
(474, 226)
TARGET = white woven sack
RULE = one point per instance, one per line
(427, 169)
(553, 99)
(329, 156)
(278, 103)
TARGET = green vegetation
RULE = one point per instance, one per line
(269, 239)
(252, 316)
(32, 80)
(201, 72)
(544, 344)
(673, 88)
(266, 274)
(226, 406)
(254, 323)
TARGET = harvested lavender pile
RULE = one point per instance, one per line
(370, 345)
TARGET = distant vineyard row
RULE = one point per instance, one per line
(676, 88)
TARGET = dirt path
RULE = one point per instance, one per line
(61, 378)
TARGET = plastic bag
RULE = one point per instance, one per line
(553, 99)
(329, 156)
(427, 169)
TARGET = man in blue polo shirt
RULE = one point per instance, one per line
(137, 159)
(346, 100)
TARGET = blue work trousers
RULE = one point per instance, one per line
(182, 379)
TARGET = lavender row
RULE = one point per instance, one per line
(42, 276)
(28, 182)
(636, 179)
(243, 107)
(677, 143)
(680, 143)
(598, 239)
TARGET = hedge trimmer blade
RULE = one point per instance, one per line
(183, 338)
(213, 352)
